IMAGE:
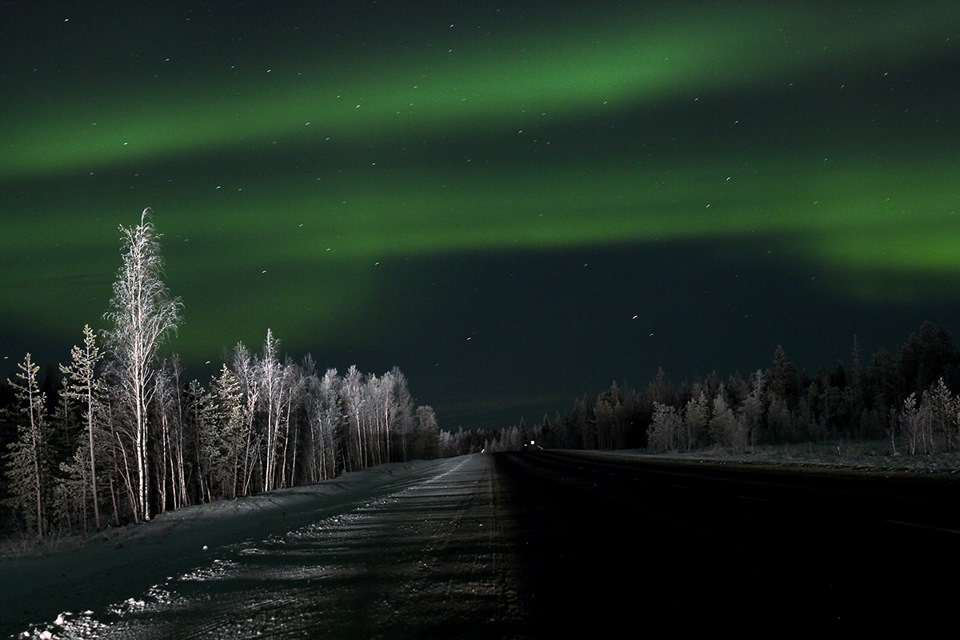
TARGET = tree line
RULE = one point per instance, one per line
(910, 398)
(124, 437)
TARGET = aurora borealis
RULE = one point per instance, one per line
(512, 202)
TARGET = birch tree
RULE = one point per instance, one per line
(170, 470)
(142, 314)
(245, 368)
(271, 386)
(376, 413)
(327, 419)
(401, 416)
(292, 404)
(352, 396)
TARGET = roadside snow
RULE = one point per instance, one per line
(368, 548)
(393, 550)
(118, 564)
(833, 457)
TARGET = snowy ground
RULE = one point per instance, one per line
(387, 552)
(396, 551)
(841, 456)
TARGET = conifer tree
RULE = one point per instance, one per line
(26, 463)
(427, 435)
(225, 436)
(82, 388)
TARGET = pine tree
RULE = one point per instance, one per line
(231, 427)
(726, 428)
(26, 464)
(82, 389)
(70, 491)
(427, 438)
(665, 428)
(696, 416)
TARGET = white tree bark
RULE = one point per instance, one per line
(143, 314)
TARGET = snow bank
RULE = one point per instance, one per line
(112, 565)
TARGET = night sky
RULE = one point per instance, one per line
(514, 202)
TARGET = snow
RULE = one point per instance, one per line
(828, 457)
(390, 551)
(350, 556)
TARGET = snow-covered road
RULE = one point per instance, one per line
(396, 551)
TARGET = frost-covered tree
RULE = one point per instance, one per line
(142, 315)
(913, 420)
(326, 417)
(243, 365)
(610, 418)
(377, 392)
(726, 428)
(427, 434)
(294, 384)
(943, 416)
(752, 409)
(782, 425)
(696, 416)
(171, 441)
(352, 395)
(26, 463)
(81, 388)
(229, 420)
(312, 451)
(209, 445)
(401, 416)
(666, 428)
(271, 385)
(448, 445)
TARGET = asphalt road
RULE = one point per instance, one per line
(615, 543)
(396, 551)
(513, 545)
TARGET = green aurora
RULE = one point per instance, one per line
(294, 162)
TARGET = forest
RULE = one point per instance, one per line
(121, 436)
(908, 399)
(118, 435)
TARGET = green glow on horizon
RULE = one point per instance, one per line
(301, 253)
(319, 249)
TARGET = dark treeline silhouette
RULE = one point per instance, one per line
(118, 435)
(909, 398)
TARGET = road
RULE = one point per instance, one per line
(513, 545)
(416, 552)
(627, 542)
